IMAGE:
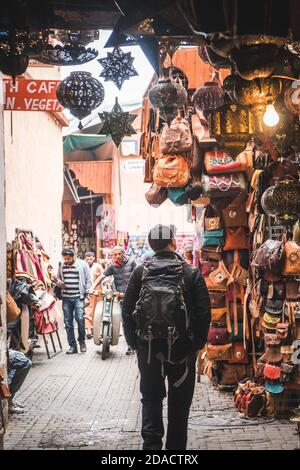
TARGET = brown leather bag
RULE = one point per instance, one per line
(217, 299)
(197, 159)
(171, 171)
(155, 196)
(213, 253)
(239, 354)
(212, 218)
(219, 353)
(291, 264)
(177, 137)
(218, 279)
(269, 256)
(12, 309)
(236, 239)
(235, 215)
(292, 289)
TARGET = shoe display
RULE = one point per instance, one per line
(72, 350)
(82, 347)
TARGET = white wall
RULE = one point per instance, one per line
(34, 173)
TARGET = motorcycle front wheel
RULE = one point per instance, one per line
(105, 343)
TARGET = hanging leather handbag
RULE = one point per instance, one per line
(223, 186)
(217, 299)
(219, 353)
(272, 372)
(274, 306)
(239, 336)
(176, 138)
(156, 195)
(212, 218)
(218, 335)
(171, 171)
(286, 371)
(197, 159)
(219, 315)
(207, 267)
(213, 237)
(270, 321)
(291, 264)
(220, 162)
(272, 339)
(181, 196)
(218, 279)
(211, 253)
(236, 239)
(292, 289)
(239, 354)
(282, 330)
(235, 215)
(269, 256)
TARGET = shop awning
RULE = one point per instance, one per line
(96, 176)
(84, 142)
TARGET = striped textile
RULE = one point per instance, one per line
(71, 279)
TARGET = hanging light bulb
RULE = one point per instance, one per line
(271, 117)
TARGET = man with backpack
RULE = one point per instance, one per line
(166, 317)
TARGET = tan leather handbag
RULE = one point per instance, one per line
(212, 218)
(171, 171)
(235, 215)
(219, 353)
(236, 239)
(177, 137)
(291, 259)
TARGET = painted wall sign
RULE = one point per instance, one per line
(134, 166)
(31, 95)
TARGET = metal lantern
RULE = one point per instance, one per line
(209, 97)
(232, 126)
(257, 94)
(16, 48)
(292, 97)
(117, 67)
(282, 201)
(168, 96)
(77, 37)
(80, 93)
(209, 56)
(66, 55)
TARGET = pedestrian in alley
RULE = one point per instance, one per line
(94, 297)
(166, 317)
(18, 367)
(76, 285)
(121, 268)
(188, 252)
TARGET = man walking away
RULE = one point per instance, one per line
(166, 316)
(76, 278)
(93, 298)
(121, 268)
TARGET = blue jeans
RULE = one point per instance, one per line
(74, 307)
(18, 368)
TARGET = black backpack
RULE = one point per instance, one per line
(161, 312)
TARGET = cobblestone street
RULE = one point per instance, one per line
(82, 402)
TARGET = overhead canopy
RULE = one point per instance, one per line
(84, 142)
(95, 176)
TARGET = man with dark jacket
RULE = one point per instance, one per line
(121, 268)
(154, 359)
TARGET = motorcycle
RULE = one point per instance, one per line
(107, 320)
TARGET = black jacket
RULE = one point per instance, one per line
(196, 298)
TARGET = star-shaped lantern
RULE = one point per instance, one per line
(117, 123)
(117, 67)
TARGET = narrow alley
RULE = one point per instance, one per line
(82, 402)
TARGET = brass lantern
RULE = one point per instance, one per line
(232, 126)
(257, 94)
(282, 201)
